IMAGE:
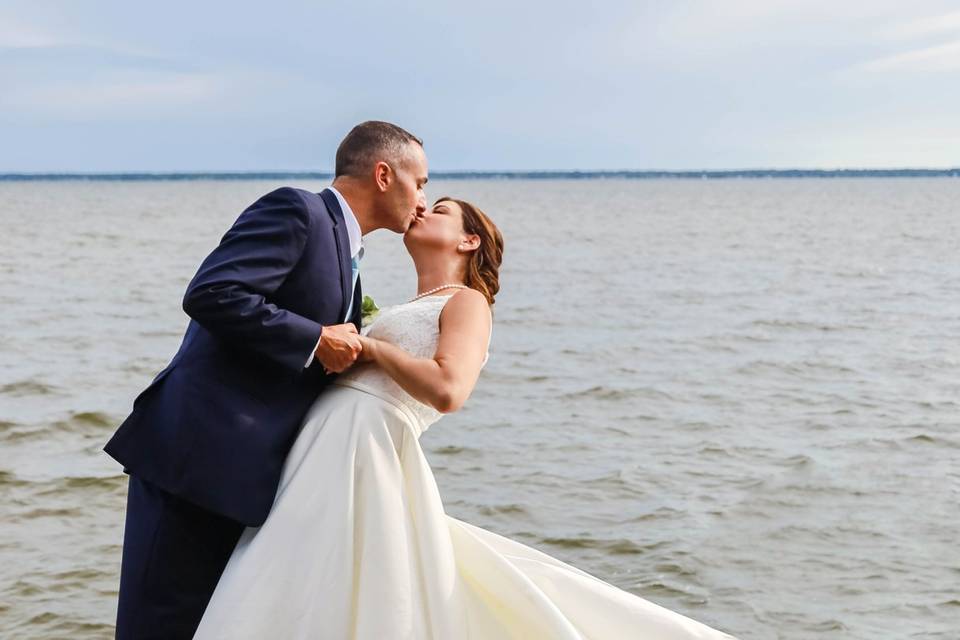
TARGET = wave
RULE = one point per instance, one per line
(24, 388)
(601, 392)
(451, 450)
(620, 546)
(498, 509)
(83, 423)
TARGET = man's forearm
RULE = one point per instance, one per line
(231, 293)
(279, 335)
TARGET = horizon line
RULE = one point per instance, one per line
(953, 172)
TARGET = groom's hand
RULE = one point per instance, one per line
(339, 347)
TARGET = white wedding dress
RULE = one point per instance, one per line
(357, 544)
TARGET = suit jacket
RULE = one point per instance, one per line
(215, 425)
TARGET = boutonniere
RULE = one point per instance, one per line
(368, 311)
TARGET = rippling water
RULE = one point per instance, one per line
(738, 399)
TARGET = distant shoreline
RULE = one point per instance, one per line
(503, 175)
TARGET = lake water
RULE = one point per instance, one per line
(739, 399)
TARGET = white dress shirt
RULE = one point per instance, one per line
(356, 251)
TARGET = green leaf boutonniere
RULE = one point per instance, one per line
(368, 311)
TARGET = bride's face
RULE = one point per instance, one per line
(440, 227)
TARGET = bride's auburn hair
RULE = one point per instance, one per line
(483, 266)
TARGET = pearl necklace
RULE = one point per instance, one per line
(440, 288)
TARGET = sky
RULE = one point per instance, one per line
(110, 86)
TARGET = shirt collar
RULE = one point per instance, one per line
(353, 227)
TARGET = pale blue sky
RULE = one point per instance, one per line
(121, 86)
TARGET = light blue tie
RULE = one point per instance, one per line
(355, 268)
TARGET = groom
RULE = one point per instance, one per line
(275, 310)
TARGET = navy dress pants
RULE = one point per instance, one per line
(173, 555)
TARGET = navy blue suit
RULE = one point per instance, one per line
(206, 440)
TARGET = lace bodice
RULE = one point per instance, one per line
(415, 328)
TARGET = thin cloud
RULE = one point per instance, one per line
(934, 25)
(935, 59)
(172, 90)
(18, 35)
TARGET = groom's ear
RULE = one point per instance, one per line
(382, 175)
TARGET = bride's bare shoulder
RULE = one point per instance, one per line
(467, 307)
(468, 301)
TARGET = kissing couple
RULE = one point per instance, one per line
(277, 486)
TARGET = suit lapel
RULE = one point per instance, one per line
(355, 314)
(343, 249)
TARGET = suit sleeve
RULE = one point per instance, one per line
(229, 295)
(312, 355)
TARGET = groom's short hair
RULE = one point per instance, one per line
(370, 142)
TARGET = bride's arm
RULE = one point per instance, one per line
(445, 380)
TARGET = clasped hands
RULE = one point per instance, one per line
(340, 346)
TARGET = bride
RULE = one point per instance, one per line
(357, 544)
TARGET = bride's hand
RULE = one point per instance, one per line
(367, 349)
